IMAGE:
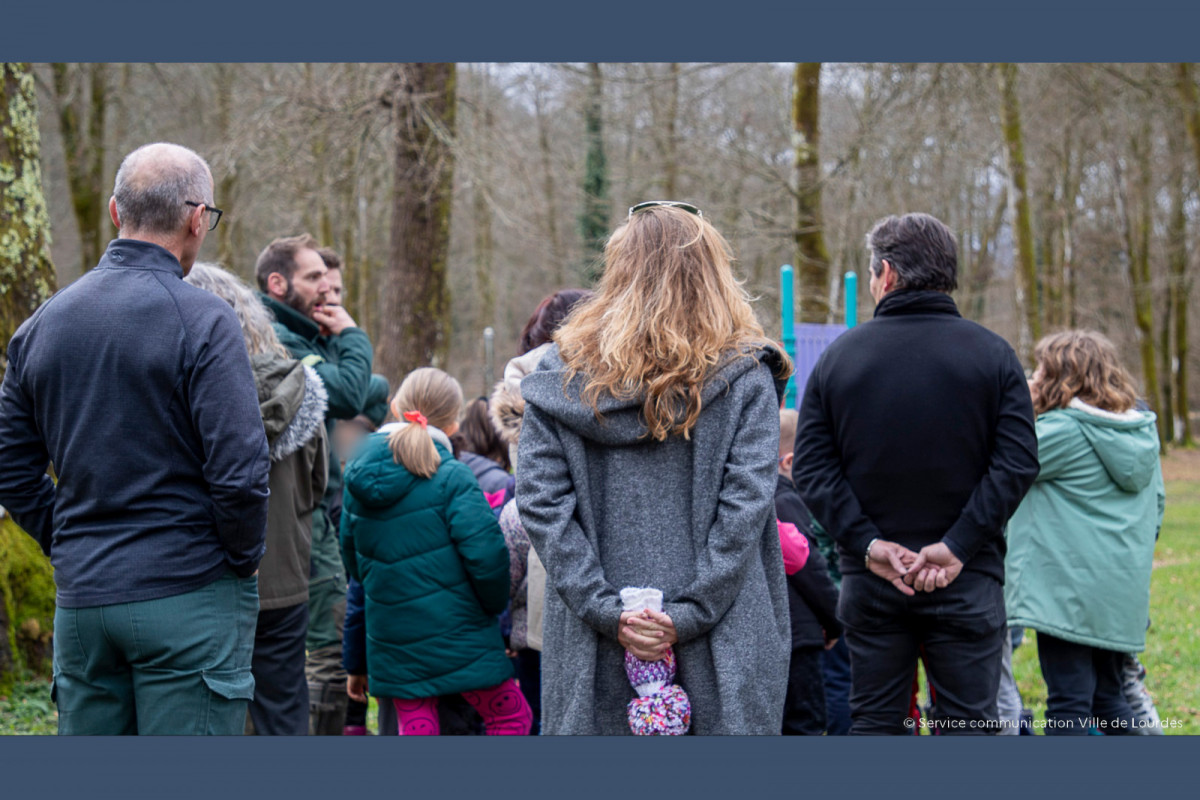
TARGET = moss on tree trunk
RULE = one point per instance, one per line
(26, 605)
(26, 274)
(26, 279)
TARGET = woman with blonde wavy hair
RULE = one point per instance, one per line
(1081, 544)
(647, 458)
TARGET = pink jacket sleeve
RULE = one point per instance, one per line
(795, 547)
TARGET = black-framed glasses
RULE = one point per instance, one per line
(688, 207)
(216, 212)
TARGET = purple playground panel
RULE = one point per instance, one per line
(811, 340)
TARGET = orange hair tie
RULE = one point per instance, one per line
(417, 417)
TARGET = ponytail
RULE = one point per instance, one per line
(427, 396)
(412, 446)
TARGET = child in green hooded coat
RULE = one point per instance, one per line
(1081, 544)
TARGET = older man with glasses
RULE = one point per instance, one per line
(138, 389)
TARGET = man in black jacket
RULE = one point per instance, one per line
(138, 388)
(915, 445)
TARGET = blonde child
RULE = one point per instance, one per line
(420, 537)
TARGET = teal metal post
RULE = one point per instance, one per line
(787, 307)
(851, 299)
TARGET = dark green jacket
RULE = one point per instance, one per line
(342, 361)
(344, 364)
(434, 567)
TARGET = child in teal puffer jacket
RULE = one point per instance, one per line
(419, 536)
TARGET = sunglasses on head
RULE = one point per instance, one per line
(688, 207)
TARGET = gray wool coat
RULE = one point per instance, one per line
(606, 508)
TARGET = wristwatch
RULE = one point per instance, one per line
(867, 557)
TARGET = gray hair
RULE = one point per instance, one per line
(919, 247)
(155, 182)
(251, 313)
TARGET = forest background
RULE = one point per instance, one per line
(460, 195)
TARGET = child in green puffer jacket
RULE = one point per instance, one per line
(419, 536)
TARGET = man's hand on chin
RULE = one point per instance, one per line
(332, 319)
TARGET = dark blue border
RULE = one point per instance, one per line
(587, 30)
(551, 30)
(731, 768)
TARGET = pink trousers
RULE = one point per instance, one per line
(503, 708)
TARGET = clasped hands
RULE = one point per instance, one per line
(932, 567)
(647, 634)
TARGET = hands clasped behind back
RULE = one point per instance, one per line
(933, 567)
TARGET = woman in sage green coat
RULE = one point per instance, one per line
(419, 536)
(1081, 544)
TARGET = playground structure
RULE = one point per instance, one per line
(804, 342)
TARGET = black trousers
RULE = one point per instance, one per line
(1083, 688)
(958, 630)
(804, 706)
(529, 676)
(280, 704)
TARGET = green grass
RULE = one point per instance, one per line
(28, 709)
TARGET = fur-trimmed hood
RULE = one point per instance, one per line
(507, 406)
(292, 399)
(507, 409)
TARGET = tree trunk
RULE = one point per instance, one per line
(1072, 177)
(982, 275)
(1027, 278)
(594, 220)
(415, 300)
(1176, 247)
(1179, 279)
(670, 137)
(558, 259)
(1167, 414)
(482, 208)
(812, 257)
(1137, 245)
(227, 185)
(83, 147)
(26, 273)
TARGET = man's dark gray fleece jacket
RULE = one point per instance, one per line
(138, 388)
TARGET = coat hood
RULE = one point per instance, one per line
(620, 421)
(507, 406)
(1126, 444)
(292, 400)
(374, 477)
(507, 409)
